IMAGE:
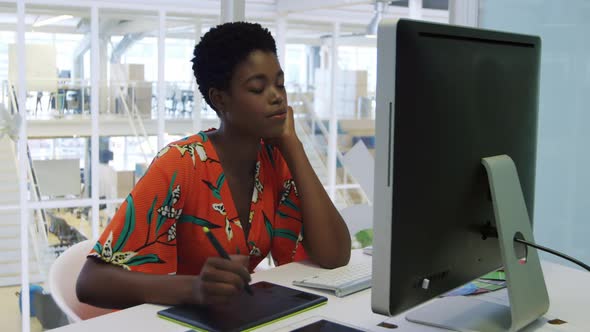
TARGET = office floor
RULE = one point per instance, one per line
(10, 319)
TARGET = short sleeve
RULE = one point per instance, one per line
(142, 234)
(287, 245)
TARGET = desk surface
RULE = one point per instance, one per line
(569, 292)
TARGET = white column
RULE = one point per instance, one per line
(333, 131)
(281, 39)
(197, 98)
(161, 77)
(106, 88)
(95, 83)
(233, 10)
(125, 153)
(22, 162)
(415, 8)
(463, 12)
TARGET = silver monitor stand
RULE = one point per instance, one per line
(526, 286)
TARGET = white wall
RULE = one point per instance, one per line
(562, 202)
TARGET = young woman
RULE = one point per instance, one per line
(249, 182)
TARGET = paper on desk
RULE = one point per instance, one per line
(466, 289)
(360, 164)
(477, 287)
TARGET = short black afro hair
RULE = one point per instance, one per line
(222, 48)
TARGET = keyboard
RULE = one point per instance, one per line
(343, 280)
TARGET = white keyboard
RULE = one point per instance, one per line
(343, 280)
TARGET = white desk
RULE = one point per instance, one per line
(569, 293)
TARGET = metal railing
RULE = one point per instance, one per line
(38, 226)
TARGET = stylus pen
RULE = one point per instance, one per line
(223, 254)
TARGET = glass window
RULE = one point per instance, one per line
(129, 52)
(180, 81)
(360, 59)
(58, 148)
(7, 40)
(296, 67)
(435, 4)
(562, 179)
(55, 50)
(58, 100)
(127, 152)
(426, 4)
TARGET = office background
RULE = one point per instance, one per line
(105, 84)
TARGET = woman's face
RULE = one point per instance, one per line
(256, 103)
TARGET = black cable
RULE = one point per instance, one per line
(556, 253)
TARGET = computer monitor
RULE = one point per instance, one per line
(448, 97)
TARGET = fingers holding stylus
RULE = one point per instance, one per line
(221, 279)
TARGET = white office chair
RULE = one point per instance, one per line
(62, 283)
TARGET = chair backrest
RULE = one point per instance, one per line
(63, 275)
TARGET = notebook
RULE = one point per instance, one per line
(269, 303)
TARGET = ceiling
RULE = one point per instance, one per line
(307, 20)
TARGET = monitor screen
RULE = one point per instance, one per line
(447, 96)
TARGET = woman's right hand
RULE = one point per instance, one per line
(221, 280)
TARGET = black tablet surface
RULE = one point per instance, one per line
(326, 326)
(269, 303)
